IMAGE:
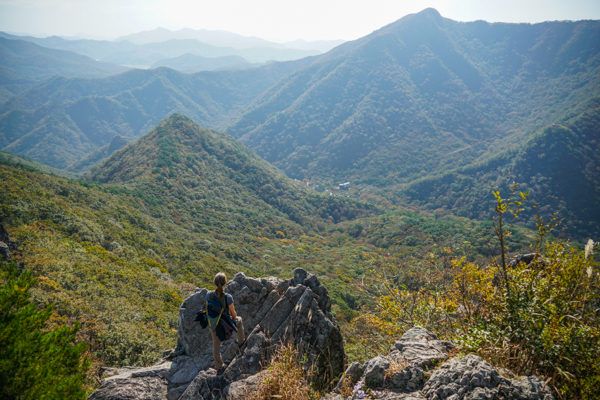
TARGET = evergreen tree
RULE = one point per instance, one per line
(37, 361)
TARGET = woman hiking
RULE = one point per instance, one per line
(222, 318)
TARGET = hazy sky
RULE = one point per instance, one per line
(277, 20)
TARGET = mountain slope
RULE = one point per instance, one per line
(202, 169)
(64, 121)
(23, 64)
(422, 95)
(560, 167)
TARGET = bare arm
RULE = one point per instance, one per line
(232, 311)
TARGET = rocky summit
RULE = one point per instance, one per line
(298, 311)
(274, 311)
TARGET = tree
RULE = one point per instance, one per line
(37, 361)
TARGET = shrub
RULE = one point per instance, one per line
(37, 361)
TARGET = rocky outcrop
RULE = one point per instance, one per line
(470, 377)
(132, 384)
(402, 374)
(274, 311)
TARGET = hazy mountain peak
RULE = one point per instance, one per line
(429, 12)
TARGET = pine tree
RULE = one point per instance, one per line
(37, 361)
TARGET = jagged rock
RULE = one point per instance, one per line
(135, 384)
(6, 245)
(420, 347)
(471, 378)
(408, 379)
(277, 312)
(207, 385)
(375, 371)
(274, 311)
(402, 370)
(240, 390)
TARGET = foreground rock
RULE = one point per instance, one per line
(274, 311)
(131, 384)
(470, 377)
(402, 375)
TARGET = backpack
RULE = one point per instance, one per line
(214, 310)
(218, 319)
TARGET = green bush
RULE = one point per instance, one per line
(37, 360)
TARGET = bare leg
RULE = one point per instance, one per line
(216, 346)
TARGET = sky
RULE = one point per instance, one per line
(276, 20)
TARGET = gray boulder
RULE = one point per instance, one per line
(402, 374)
(135, 384)
(6, 245)
(471, 378)
(4, 250)
(375, 371)
(402, 369)
(420, 347)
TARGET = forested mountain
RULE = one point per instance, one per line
(64, 121)
(559, 166)
(191, 170)
(422, 95)
(22, 64)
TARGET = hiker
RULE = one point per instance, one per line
(222, 318)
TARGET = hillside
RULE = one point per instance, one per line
(559, 166)
(22, 64)
(205, 170)
(179, 205)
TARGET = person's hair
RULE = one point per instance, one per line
(220, 281)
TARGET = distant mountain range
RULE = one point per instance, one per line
(194, 63)
(424, 99)
(144, 49)
(226, 39)
(23, 64)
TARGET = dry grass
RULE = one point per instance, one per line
(346, 387)
(284, 379)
